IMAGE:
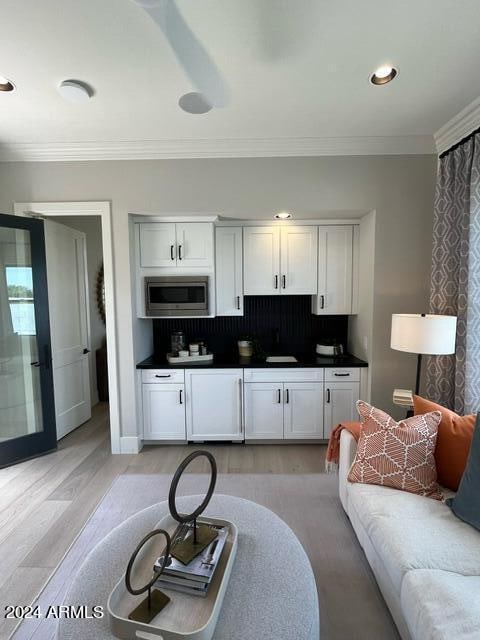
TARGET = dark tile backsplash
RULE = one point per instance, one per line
(281, 324)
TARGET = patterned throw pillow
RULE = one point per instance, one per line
(397, 454)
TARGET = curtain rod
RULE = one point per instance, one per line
(458, 144)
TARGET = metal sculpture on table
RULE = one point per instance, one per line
(191, 537)
(156, 601)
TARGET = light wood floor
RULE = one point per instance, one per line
(45, 502)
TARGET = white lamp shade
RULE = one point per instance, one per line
(425, 334)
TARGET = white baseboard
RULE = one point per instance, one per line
(130, 444)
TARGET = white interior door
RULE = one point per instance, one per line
(261, 261)
(69, 324)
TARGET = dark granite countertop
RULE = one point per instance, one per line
(223, 362)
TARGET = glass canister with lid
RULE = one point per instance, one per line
(177, 342)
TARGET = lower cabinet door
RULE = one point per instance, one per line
(214, 400)
(163, 412)
(303, 406)
(264, 411)
(340, 401)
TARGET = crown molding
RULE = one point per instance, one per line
(458, 127)
(222, 148)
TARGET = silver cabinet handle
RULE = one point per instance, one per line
(279, 397)
(276, 282)
(238, 303)
(284, 281)
(328, 396)
(240, 386)
(172, 255)
(322, 302)
(180, 396)
(180, 252)
(168, 375)
(287, 393)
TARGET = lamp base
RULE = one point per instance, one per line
(419, 371)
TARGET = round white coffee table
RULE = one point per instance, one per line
(271, 593)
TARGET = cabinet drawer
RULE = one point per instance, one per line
(283, 375)
(337, 374)
(163, 376)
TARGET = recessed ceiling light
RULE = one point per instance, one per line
(5, 84)
(383, 75)
(75, 91)
(283, 215)
(195, 103)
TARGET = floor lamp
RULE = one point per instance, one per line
(423, 334)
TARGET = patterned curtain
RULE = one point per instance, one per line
(454, 381)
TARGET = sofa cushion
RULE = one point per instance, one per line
(397, 454)
(453, 441)
(412, 532)
(466, 504)
(439, 605)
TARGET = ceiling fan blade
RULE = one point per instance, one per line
(192, 56)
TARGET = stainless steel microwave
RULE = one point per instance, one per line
(176, 296)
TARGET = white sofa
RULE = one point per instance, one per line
(425, 560)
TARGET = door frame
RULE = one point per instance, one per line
(102, 209)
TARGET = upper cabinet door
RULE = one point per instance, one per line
(195, 244)
(229, 271)
(299, 250)
(261, 261)
(335, 257)
(157, 244)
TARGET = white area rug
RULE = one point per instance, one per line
(351, 606)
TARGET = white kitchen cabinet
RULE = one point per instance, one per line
(261, 260)
(303, 410)
(194, 244)
(157, 244)
(229, 271)
(335, 266)
(181, 244)
(280, 260)
(284, 403)
(340, 404)
(163, 411)
(264, 411)
(298, 260)
(214, 404)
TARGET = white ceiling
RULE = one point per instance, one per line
(297, 72)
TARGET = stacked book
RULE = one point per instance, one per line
(403, 397)
(196, 576)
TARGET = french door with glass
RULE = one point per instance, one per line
(27, 411)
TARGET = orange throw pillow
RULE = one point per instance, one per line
(453, 441)
(397, 454)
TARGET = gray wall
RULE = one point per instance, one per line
(92, 228)
(398, 188)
